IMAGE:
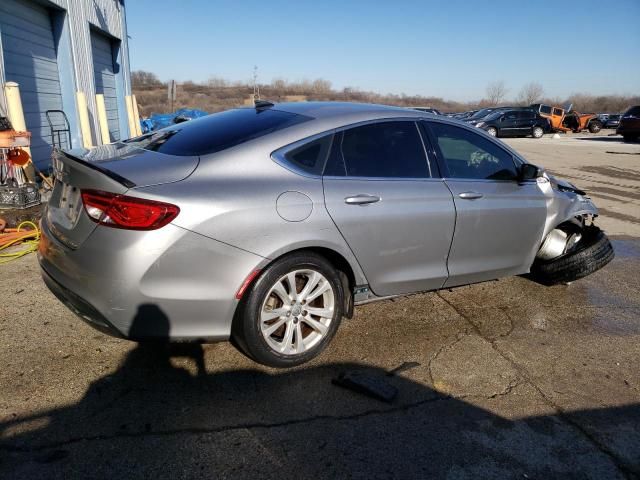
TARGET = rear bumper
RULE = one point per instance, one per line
(165, 284)
(83, 309)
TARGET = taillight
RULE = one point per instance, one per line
(121, 211)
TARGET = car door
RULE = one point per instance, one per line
(390, 205)
(507, 124)
(524, 122)
(500, 221)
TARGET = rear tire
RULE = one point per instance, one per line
(278, 327)
(537, 132)
(592, 253)
(595, 126)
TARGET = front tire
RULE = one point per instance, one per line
(592, 253)
(595, 126)
(291, 312)
(537, 132)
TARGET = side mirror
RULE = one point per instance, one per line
(529, 171)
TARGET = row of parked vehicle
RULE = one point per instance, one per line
(538, 119)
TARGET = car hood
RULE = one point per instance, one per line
(564, 186)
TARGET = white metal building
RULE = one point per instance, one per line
(56, 48)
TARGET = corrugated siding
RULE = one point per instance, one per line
(30, 60)
(82, 16)
(108, 16)
(105, 80)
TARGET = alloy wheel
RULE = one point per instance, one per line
(297, 311)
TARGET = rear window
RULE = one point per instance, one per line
(217, 132)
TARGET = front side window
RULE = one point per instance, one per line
(557, 111)
(546, 109)
(386, 149)
(470, 155)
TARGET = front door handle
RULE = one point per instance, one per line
(470, 195)
(361, 199)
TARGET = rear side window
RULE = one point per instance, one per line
(557, 111)
(470, 155)
(310, 157)
(217, 132)
(545, 109)
(387, 149)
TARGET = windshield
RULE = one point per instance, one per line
(493, 115)
(481, 113)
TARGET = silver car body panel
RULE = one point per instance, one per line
(242, 207)
(402, 240)
(497, 234)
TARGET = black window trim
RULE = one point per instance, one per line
(428, 157)
(280, 155)
(442, 165)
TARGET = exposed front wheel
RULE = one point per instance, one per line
(537, 132)
(589, 255)
(493, 131)
(595, 126)
(292, 311)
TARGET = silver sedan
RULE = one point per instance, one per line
(267, 225)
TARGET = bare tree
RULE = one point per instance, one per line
(321, 85)
(530, 93)
(141, 78)
(496, 91)
(216, 82)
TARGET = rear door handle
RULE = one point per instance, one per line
(470, 195)
(361, 199)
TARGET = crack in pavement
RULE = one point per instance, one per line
(626, 470)
(227, 428)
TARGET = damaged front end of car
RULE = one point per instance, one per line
(572, 246)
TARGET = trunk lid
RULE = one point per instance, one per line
(114, 168)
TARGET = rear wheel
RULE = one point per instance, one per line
(493, 131)
(291, 312)
(595, 126)
(537, 132)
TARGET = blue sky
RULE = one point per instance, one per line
(450, 48)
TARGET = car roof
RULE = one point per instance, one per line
(329, 110)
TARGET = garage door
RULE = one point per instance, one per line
(30, 60)
(105, 79)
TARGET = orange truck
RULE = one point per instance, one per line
(564, 119)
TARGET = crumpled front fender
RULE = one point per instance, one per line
(564, 202)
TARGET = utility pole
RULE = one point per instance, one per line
(172, 92)
(256, 86)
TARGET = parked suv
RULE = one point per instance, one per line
(514, 123)
(629, 126)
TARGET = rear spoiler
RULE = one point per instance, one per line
(114, 176)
